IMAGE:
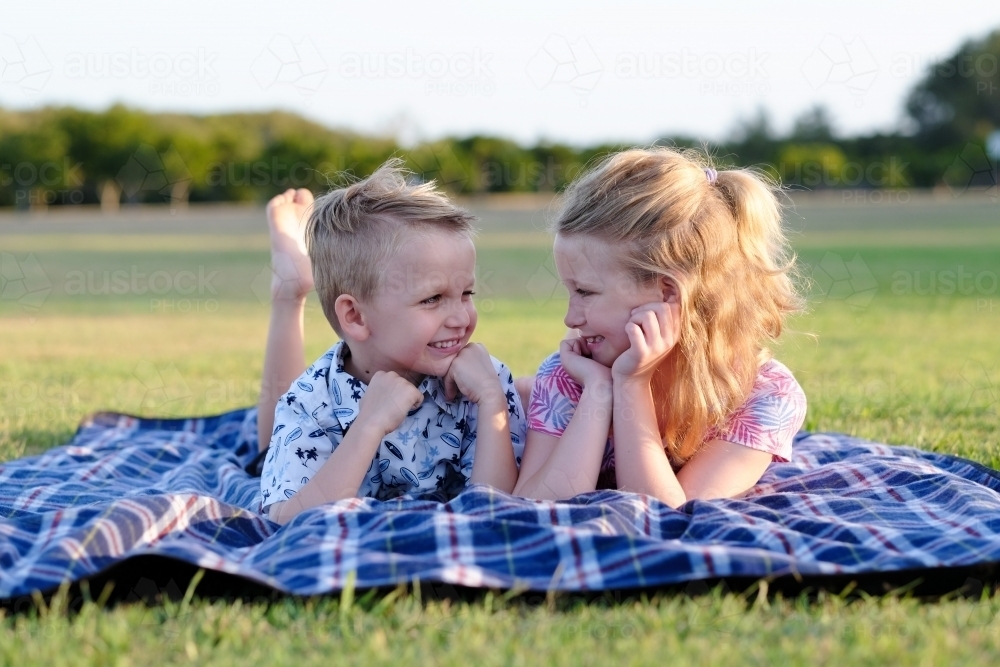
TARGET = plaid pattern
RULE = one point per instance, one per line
(126, 486)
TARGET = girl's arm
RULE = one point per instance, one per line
(719, 470)
(641, 463)
(722, 469)
(554, 468)
(561, 467)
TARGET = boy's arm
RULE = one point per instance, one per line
(472, 374)
(340, 476)
(494, 462)
(382, 409)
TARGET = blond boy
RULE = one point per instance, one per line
(403, 403)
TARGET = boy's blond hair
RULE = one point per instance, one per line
(720, 239)
(353, 232)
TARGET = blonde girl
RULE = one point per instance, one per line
(678, 278)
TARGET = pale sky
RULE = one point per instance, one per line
(580, 72)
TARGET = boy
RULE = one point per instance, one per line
(403, 403)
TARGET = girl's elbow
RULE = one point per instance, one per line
(520, 489)
(673, 500)
(280, 513)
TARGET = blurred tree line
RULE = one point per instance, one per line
(63, 155)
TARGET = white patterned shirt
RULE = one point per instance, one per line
(429, 455)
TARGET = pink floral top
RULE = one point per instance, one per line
(767, 421)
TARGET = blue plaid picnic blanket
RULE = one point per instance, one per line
(125, 487)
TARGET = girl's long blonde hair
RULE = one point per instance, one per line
(723, 245)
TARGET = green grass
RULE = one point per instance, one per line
(714, 629)
(897, 366)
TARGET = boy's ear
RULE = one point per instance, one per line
(671, 292)
(352, 320)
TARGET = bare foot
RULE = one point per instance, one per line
(291, 269)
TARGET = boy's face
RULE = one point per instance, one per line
(423, 314)
(602, 294)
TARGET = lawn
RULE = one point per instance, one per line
(162, 314)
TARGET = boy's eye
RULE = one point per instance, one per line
(433, 299)
(583, 292)
(468, 292)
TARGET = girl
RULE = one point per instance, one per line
(677, 275)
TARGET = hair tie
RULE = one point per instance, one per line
(711, 175)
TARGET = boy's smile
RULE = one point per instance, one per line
(422, 315)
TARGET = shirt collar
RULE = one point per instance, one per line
(431, 386)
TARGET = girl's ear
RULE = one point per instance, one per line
(671, 292)
(352, 320)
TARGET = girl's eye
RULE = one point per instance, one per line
(433, 299)
(468, 293)
(583, 292)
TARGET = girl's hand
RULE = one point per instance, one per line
(575, 358)
(652, 331)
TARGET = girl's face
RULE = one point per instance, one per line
(602, 294)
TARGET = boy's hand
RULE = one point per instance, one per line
(387, 400)
(575, 359)
(472, 375)
(653, 332)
